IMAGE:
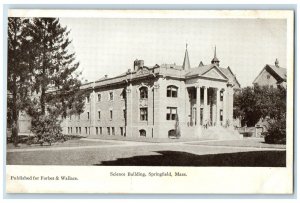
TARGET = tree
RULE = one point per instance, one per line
(55, 90)
(255, 103)
(19, 73)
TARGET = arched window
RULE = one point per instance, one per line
(143, 93)
(172, 133)
(143, 133)
(172, 91)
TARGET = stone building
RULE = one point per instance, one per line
(158, 101)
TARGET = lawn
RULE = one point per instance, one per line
(162, 154)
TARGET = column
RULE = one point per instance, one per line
(187, 107)
(198, 103)
(224, 107)
(205, 105)
(217, 120)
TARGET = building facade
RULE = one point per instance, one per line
(157, 102)
(272, 76)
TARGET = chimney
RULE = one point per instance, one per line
(276, 63)
(137, 64)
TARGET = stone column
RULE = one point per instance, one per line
(205, 110)
(187, 107)
(224, 107)
(218, 107)
(198, 103)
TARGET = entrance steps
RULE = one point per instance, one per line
(221, 133)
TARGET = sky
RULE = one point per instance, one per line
(108, 46)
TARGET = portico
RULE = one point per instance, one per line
(206, 106)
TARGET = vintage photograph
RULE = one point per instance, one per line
(145, 101)
(192, 92)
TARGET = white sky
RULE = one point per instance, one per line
(109, 46)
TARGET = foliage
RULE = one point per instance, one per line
(19, 73)
(47, 129)
(276, 131)
(41, 57)
(253, 103)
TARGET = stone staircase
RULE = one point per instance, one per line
(221, 133)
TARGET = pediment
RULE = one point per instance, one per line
(143, 71)
(214, 73)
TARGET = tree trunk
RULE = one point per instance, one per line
(15, 111)
(15, 114)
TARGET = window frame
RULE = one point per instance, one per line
(171, 90)
(144, 114)
(170, 116)
(143, 92)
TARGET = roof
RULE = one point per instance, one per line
(203, 69)
(281, 72)
(278, 72)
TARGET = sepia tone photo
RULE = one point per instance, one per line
(157, 91)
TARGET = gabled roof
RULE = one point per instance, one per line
(201, 71)
(281, 72)
(277, 72)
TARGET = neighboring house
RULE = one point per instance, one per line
(149, 101)
(271, 75)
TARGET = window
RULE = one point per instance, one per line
(113, 130)
(143, 114)
(268, 76)
(171, 113)
(143, 93)
(96, 130)
(172, 133)
(71, 130)
(221, 114)
(108, 130)
(88, 115)
(111, 114)
(99, 114)
(86, 130)
(143, 133)
(111, 96)
(99, 97)
(221, 95)
(79, 130)
(121, 131)
(172, 91)
(88, 99)
(100, 130)
(76, 130)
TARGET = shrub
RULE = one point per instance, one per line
(276, 131)
(47, 129)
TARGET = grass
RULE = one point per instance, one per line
(151, 155)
